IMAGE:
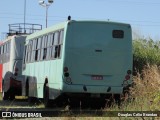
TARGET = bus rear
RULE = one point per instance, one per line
(98, 57)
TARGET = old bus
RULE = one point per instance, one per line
(78, 58)
(11, 55)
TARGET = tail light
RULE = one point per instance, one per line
(67, 75)
(65, 69)
(129, 72)
(127, 77)
(66, 72)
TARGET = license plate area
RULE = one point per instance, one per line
(97, 77)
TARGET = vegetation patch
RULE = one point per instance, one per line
(145, 52)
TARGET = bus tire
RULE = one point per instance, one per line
(46, 95)
(32, 99)
(12, 96)
(27, 87)
(5, 95)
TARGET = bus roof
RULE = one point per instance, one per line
(64, 24)
(94, 21)
(47, 30)
(10, 38)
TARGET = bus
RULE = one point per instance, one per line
(11, 55)
(81, 59)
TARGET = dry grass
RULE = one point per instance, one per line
(145, 94)
(146, 90)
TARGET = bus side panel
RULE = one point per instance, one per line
(1, 69)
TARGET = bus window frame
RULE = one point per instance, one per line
(57, 46)
(29, 51)
(44, 47)
(48, 42)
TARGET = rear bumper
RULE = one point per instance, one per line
(97, 89)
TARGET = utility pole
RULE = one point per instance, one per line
(24, 16)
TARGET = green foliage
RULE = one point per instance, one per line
(156, 102)
(145, 52)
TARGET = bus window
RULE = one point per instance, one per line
(60, 43)
(24, 57)
(56, 47)
(27, 54)
(29, 51)
(44, 48)
(38, 48)
(52, 51)
(49, 43)
(61, 37)
(44, 53)
(52, 39)
(56, 52)
(33, 50)
(56, 38)
(118, 34)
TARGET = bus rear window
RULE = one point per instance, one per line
(118, 34)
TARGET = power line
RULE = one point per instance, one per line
(19, 14)
(62, 18)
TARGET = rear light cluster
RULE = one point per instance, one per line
(16, 71)
(128, 76)
(67, 75)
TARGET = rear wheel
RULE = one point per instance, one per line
(46, 95)
(32, 99)
(12, 96)
(5, 95)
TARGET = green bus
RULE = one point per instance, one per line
(78, 59)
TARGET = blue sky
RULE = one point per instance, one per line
(142, 15)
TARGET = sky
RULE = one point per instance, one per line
(143, 15)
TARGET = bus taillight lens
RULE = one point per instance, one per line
(127, 77)
(66, 74)
(65, 69)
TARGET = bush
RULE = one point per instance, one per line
(145, 52)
